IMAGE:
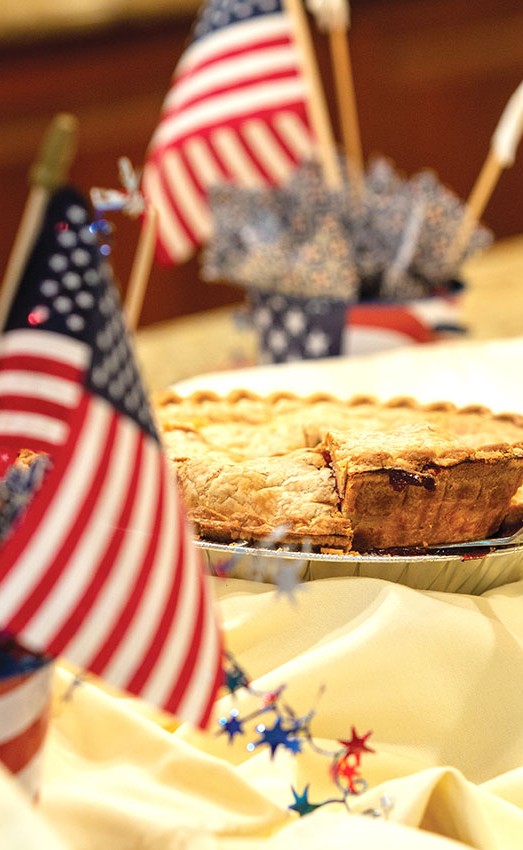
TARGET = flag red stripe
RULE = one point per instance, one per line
(184, 675)
(32, 404)
(217, 681)
(126, 615)
(169, 613)
(16, 442)
(249, 46)
(40, 365)
(55, 568)
(14, 546)
(238, 85)
(107, 562)
(177, 211)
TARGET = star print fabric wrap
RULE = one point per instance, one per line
(293, 328)
(392, 242)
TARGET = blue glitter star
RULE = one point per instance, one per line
(233, 725)
(278, 736)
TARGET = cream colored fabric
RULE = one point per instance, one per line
(435, 676)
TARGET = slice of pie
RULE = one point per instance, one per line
(353, 475)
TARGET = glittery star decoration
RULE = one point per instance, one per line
(293, 732)
(287, 578)
(232, 725)
(278, 736)
(301, 802)
(128, 200)
(347, 770)
(393, 241)
(18, 486)
(233, 676)
(357, 745)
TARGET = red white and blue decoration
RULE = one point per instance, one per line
(236, 112)
(99, 565)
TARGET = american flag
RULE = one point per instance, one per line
(236, 112)
(101, 568)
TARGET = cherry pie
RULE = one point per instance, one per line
(354, 475)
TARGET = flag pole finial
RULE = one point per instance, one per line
(48, 172)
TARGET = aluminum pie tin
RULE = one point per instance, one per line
(469, 571)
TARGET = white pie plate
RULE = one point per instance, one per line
(469, 572)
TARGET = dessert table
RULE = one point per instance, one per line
(426, 679)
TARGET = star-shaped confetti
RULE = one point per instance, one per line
(301, 802)
(293, 732)
(357, 745)
(232, 725)
(278, 736)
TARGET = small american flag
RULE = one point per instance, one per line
(235, 112)
(101, 567)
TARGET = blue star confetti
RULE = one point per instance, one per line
(284, 729)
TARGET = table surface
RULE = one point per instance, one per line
(491, 308)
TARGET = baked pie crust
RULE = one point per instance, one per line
(354, 475)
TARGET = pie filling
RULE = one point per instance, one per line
(354, 475)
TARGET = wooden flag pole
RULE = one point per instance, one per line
(346, 100)
(501, 155)
(333, 17)
(141, 269)
(49, 171)
(318, 111)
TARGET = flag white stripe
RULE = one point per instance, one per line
(22, 706)
(31, 426)
(228, 106)
(136, 642)
(42, 386)
(29, 342)
(47, 540)
(196, 696)
(104, 614)
(171, 232)
(271, 156)
(294, 133)
(166, 671)
(241, 35)
(230, 71)
(95, 537)
(192, 207)
(235, 157)
(202, 161)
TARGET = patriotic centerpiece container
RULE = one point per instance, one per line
(317, 262)
(25, 700)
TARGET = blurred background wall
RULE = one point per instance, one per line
(432, 78)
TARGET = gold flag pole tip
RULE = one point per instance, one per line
(56, 153)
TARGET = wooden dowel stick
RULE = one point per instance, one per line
(318, 111)
(49, 171)
(502, 154)
(141, 269)
(476, 204)
(346, 101)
